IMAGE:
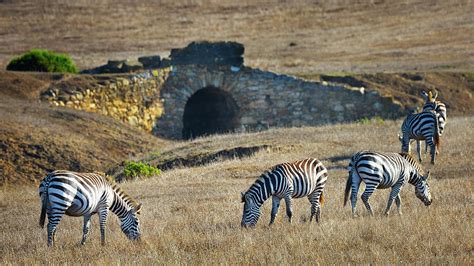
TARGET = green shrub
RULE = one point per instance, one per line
(376, 120)
(42, 61)
(139, 169)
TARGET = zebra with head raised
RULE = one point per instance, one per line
(385, 170)
(421, 126)
(305, 178)
(432, 104)
(84, 194)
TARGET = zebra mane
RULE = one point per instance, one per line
(127, 198)
(413, 162)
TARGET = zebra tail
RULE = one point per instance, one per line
(437, 140)
(321, 199)
(44, 205)
(348, 188)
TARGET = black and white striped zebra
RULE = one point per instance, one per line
(305, 178)
(421, 126)
(381, 171)
(432, 104)
(84, 194)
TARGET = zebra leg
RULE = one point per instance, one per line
(85, 229)
(315, 206)
(103, 212)
(365, 197)
(418, 149)
(54, 217)
(289, 210)
(432, 149)
(355, 190)
(275, 206)
(394, 195)
(398, 201)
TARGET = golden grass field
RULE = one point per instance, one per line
(192, 215)
(283, 36)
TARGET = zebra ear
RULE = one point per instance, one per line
(428, 175)
(138, 208)
(242, 195)
(424, 95)
(435, 95)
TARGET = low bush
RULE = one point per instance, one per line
(139, 169)
(43, 61)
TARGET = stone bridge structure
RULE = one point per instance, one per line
(181, 101)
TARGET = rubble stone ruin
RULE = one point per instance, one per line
(205, 88)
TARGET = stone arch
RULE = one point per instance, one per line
(210, 110)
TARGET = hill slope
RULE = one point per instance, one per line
(282, 36)
(36, 138)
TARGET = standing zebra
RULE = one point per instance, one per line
(84, 194)
(421, 126)
(432, 104)
(287, 180)
(381, 171)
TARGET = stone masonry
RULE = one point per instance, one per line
(155, 100)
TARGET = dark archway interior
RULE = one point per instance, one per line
(209, 111)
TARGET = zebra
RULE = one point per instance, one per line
(432, 104)
(287, 180)
(421, 126)
(84, 194)
(385, 170)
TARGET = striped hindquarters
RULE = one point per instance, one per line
(305, 176)
(441, 112)
(421, 126)
(76, 193)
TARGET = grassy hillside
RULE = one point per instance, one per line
(192, 215)
(283, 36)
(36, 138)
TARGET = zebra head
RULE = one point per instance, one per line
(429, 97)
(422, 190)
(251, 210)
(130, 223)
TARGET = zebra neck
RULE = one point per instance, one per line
(414, 178)
(121, 205)
(262, 189)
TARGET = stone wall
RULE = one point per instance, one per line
(155, 100)
(267, 99)
(133, 99)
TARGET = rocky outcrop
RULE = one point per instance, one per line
(209, 54)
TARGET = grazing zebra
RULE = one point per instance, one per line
(84, 194)
(287, 180)
(385, 170)
(432, 104)
(421, 126)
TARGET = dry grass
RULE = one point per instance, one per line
(350, 36)
(192, 215)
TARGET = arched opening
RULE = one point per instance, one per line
(209, 111)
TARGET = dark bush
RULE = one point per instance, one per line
(42, 61)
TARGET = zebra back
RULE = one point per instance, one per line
(413, 162)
